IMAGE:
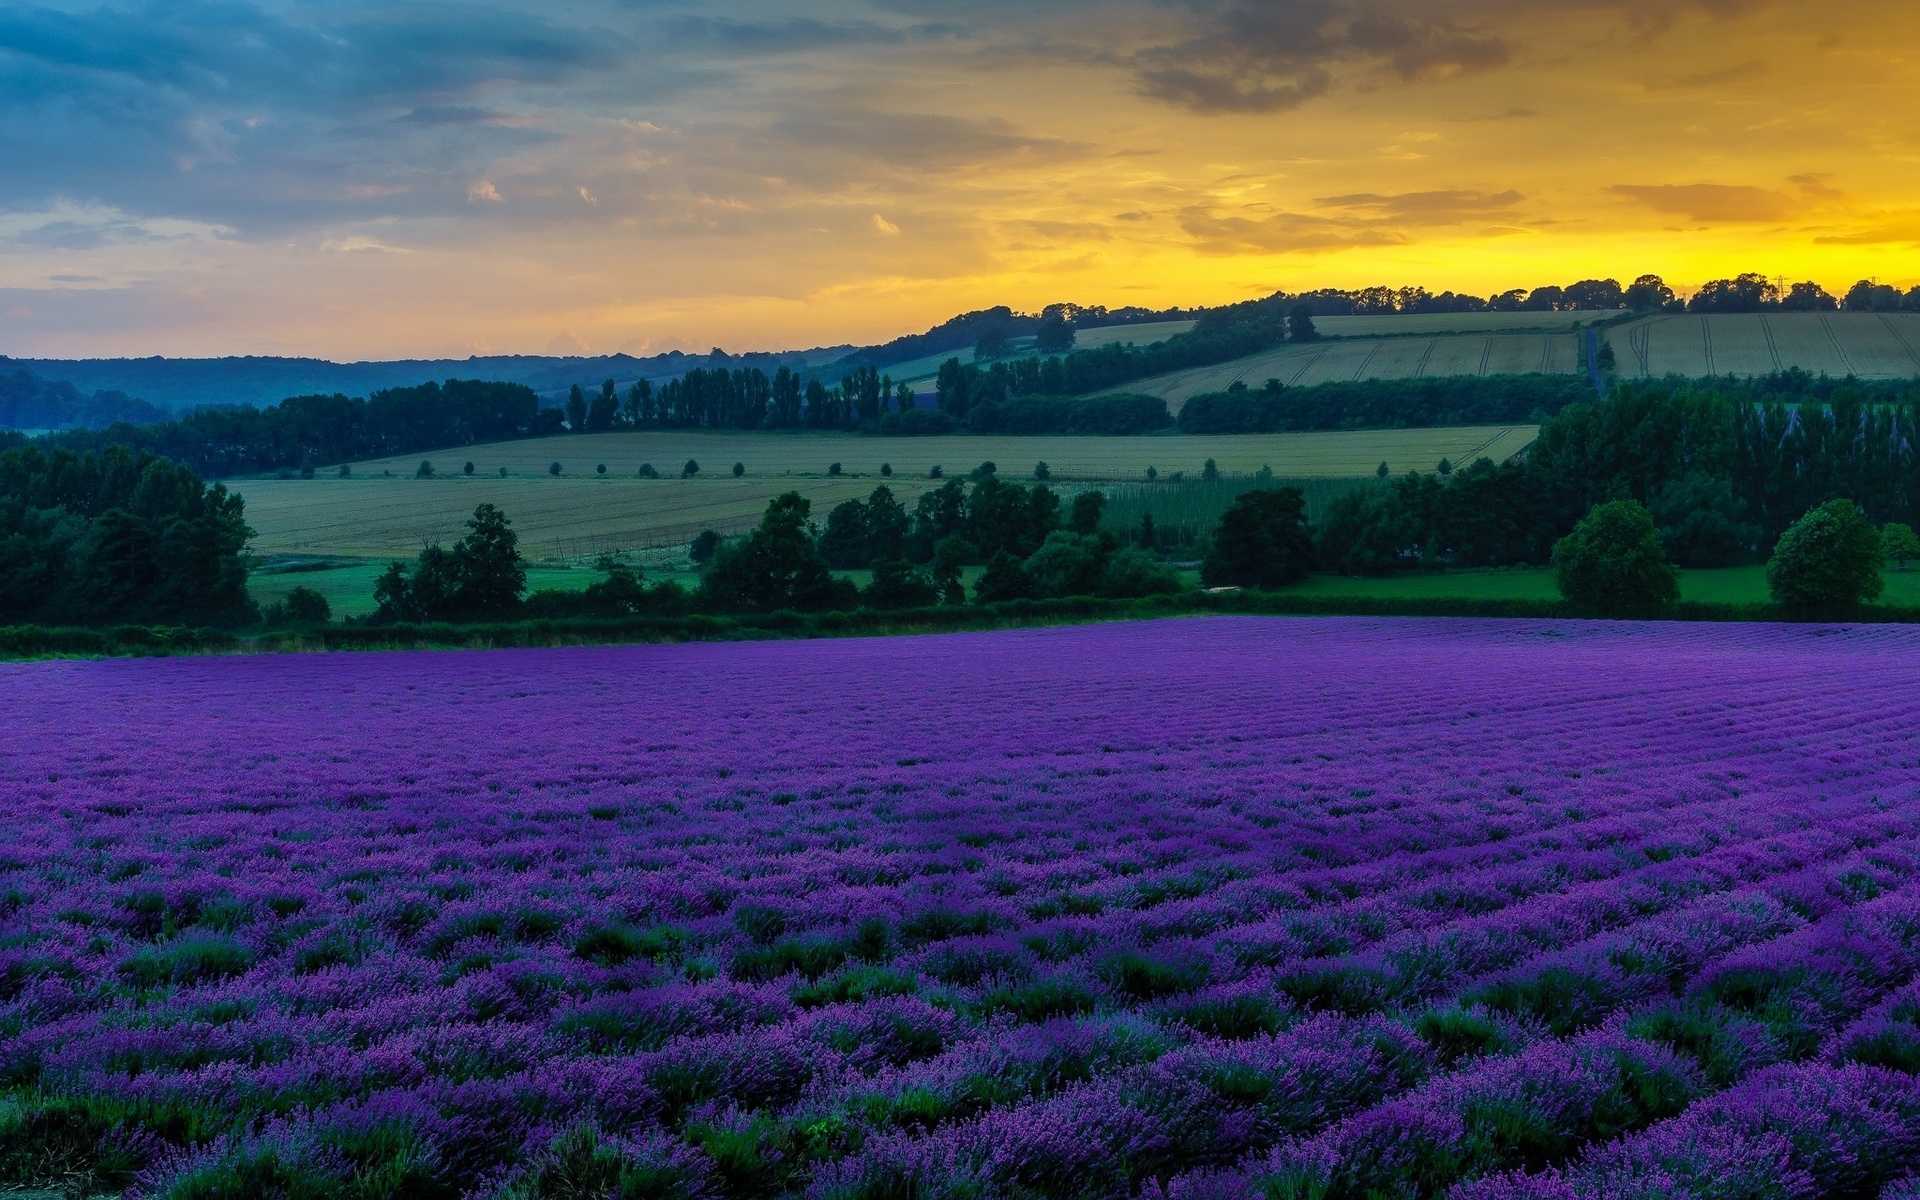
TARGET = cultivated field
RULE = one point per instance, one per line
(922, 370)
(1374, 358)
(1868, 345)
(1216, 909)
(1394, 325)
(581, 514)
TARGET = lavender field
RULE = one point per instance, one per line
(1206, 908)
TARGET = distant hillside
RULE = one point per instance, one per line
(30, 402)
(183, 384)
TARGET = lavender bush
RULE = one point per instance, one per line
(1207, 908)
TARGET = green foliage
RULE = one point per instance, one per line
(776, 566)
(583, 1164)
(1827, 563)
(481, 578)
(896, 584)
(1613, 565)
(217, 442)
(1300, 326)
(1004, 579)
(189, 960)
(1702, 522)
(1066, 564)
(1900, 544)
(304, 606)
(1262, 541)
(1055, 335)
(1420, 403)
(118, 537)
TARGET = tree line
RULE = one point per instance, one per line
(1723, 466)
(117, 536)
(304, 431)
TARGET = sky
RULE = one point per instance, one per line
(371, 179)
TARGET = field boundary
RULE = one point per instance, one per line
(26, 643)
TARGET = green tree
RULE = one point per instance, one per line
(739, 469)
(1613, 565)
(468, 468)
(1702, 522)
(424, 471)
(1262, 541)
(481, 578)
(703, 547)
(776, 566)
(1210, 473)
(489, 576)
(897, 585)
(845, 543)
(1827, 563)
(1042, 471)
(1004, 579)
(951, 554)
(1130, 574)
(691, 469)
(1055, 335)
(1900, 544)
(1300, 323)
(576, 409)
(992, 344)
(304, 606)
(1066, 564)
(604, 413)
(1088, 508)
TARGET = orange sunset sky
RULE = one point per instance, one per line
(360, 180)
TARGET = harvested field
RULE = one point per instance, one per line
(1868, 345)
(580, 514)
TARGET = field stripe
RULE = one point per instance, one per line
(1422, 368)
(1366, 362)
(1837, 347)
(1773, 347)
(1706, 343)
(1902, 339)
(1307, 365)
(1486, 355)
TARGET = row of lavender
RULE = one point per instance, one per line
(1199, 908)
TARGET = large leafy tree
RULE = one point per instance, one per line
(1613, 565)
(1262, 541)
(776, 566)
(1827, 563)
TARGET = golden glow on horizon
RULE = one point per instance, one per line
(1784, 138)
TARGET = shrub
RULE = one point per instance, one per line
(647, 471)
(833, 468)
(1132, 573)
(739, 469)
(424, 471)
(691, 469)
(1613, 565)
(701, 551)
(553, 468)
(1827, 563)
(886, 470)
(1042, 471)
(308, 607)
(467, 469)
(600, 469)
